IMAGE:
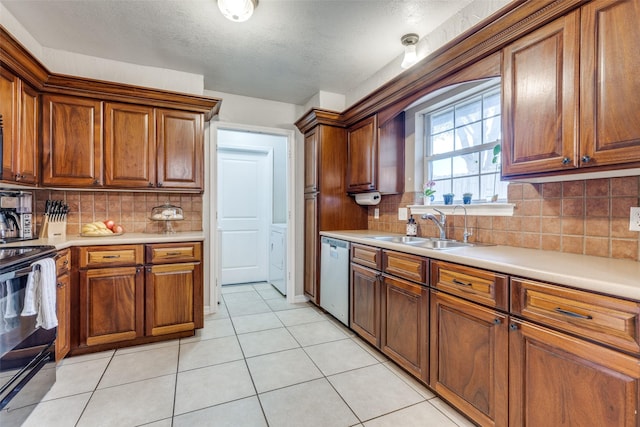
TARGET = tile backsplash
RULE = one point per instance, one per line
(588, 217)
(129, 209)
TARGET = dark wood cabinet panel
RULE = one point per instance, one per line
(20, 107)
(71, 141)
(170, 295)
(63, 312)
(609, 63)
(408, 266)
(180, 149)
(375, 156)
(557, 380)
(365, 303)
(469, 358)
(405, 324)
(311, 161)
(362, 143)
(540, 99)
(311, 247)
(129, 146)
(111, 305)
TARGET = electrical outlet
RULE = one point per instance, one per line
(403, 215)
(376, 213)
(634, 219)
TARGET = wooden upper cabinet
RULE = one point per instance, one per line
(129, 146)
(311, 161)
(540, 99)
(19, 106)
(71, 141)
(180, 149)
(376, 156)
(609, 86)
(362, 143)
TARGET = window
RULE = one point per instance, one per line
(460, 135)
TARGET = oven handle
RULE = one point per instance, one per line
(18, 273)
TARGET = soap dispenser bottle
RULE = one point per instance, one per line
(412, 227)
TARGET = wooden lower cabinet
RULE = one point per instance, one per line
(404, 325)
(111, 305)
(169, 299)
(63, 312)
(311, 248)
(558, 380)
(365, 303)
(469, 358)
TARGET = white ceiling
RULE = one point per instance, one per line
(288, 51)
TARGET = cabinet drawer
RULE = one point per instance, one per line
(106, 256)
(481, 286)
(168, 253)
(366, 255)
(407, 266)
(608, 320)
(63, 261)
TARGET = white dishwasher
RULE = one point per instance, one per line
(334, 278)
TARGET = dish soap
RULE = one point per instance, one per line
(412, 227)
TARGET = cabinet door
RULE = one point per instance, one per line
(365, 303)
(540, 99)
(469, 358)
(27, 155)
(311, 245)
(71, 141)
(362, 156)
(111, 305)
(558, 380)
(180, 148)
(129, 146)
(311, 161)
(170, 295)
(609, 63)
(9, 101)
(63, 311)
(405, 325)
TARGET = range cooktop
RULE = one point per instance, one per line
(11, 257)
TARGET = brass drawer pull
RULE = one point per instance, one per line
(572, 314)
(173, 253)
(110, 256)
(458, 282)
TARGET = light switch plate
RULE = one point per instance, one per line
(376, 213)
(403, 215)
(634, 219)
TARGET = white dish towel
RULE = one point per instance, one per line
(40, 294)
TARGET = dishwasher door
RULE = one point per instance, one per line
(334, 278)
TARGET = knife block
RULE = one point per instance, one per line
(53, 229)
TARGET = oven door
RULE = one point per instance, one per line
(27, 353)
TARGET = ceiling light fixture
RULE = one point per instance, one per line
(409, 42)
(237, 10)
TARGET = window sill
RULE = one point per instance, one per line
(477, 209)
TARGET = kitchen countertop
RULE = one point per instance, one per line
(604, 275)
(124, 239)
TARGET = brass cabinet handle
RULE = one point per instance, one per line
(572, 314)
(173, 253)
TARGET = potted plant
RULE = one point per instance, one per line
(428, 192)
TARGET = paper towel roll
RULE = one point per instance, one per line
(368, 198)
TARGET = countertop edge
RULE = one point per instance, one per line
(124, 239)
(608, 276)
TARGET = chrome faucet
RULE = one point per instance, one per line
(440, 223)
(467, 233)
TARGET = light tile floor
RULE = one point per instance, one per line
(258, 362)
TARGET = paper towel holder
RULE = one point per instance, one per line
(368, 199)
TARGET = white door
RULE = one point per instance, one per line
(244, 213)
